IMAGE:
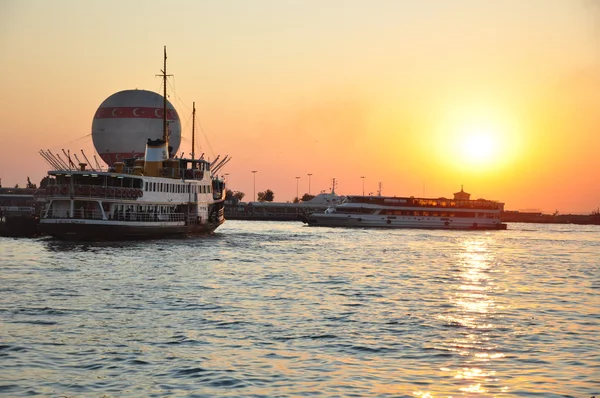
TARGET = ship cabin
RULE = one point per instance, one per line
(130, 190)
(460, 202)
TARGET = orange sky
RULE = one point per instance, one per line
(400, 92)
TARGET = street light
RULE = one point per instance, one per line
(297, 180)
(309, 174)
(254, 178)
(363, 178)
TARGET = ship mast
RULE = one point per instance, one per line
(164, 76)
(193, 129)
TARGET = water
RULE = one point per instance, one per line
(282, 310)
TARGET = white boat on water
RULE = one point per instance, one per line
(151, 197)
(409, 212)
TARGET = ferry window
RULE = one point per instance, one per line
(209, 188)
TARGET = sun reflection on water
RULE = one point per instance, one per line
(471, 317)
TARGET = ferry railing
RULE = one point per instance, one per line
(77, 214)
(146, 216)
(83, 214)
(94, 191)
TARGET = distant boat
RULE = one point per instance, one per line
(410, 212)
(280, 211)
(19, 211)
(152, 197)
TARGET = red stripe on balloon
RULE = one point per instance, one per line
(134, 112)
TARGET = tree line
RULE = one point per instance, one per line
(264, 196)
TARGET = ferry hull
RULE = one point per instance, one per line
(366, 221)
(115, 232)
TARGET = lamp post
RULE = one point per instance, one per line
(363, 178)
(297, 181)
(254, 178)
(309, 174)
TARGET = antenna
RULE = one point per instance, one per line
(222, 163)
(97, 164)
(88, 162)
(193, 129)
(62, 163)
(49, 160)
(214, 161)
(379, 190)
(333, 185)
(68, 156)
(76, 158)
(164, 76)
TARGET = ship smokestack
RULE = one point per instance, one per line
(156, 153)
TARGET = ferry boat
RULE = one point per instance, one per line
(152, 197)
(19, 211)
(408, 212)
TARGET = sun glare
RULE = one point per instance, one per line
(477, 139)
(479, 146)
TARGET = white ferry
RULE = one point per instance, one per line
(141, 198)
(152, 197)
(409, 212)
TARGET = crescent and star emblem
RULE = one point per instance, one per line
(113, 112)
(135, 111)
(157, 113)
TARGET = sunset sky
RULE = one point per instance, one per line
(502, 96)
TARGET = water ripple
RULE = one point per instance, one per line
(278, 309)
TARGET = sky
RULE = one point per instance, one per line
(418, 97)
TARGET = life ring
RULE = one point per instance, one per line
(389, 221)
(140, 193)
(474, 225)
(93, 191)
(64, 190)
(100, 191)
(111, 191)
(446, 223)
(359, 219)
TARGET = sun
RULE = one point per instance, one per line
(476, 139)
(479, 145)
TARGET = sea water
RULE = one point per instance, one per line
(269, 309)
